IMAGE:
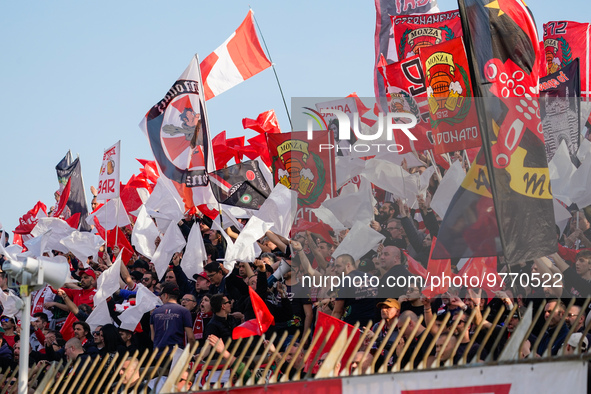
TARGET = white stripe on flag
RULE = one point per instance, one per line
(224, 74)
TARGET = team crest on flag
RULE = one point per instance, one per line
(453, 115)
(414, 32)
(300, 164)
(565, 41)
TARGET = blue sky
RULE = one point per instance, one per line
(81, 75)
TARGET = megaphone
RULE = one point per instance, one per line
(51, 270)
(283, 268)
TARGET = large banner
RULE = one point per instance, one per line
(502, 42)
(413, 32)
(178, 133)
(564, 41)
(560, 93)
(304, 165)
(108, 186)
(384, 36)
(454, 120)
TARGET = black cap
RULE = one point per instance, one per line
(139, 263)
(171, 289)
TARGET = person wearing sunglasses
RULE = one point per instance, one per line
(222, 323)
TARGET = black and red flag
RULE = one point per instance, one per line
(242, 185)
(70, 170)
(502, 46)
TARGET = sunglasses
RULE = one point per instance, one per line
(5, 319)
(227, 302)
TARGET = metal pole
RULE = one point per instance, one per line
(273, 67)
(23, 366)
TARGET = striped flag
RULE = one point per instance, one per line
(237, 59)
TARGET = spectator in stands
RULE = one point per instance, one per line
(40, 325)
(149, 280)
(128, 340)
(392, 269)
(82, 332)
(202, 284)
(553, 311)
(573, 344)
(9, 327)
(354, 304)
(389, 311)
(170, 322)
(190, 302)
(407, 336)
(6, 355)
(222, 323)
(112, 340)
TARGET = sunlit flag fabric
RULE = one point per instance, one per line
(260, 324)
(237, 59)
(502, 43)
(178, 134)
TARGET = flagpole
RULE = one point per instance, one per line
(273, 66)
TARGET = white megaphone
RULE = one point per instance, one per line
(53, 271)
(283, 269)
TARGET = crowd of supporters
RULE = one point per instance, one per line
(206, 308)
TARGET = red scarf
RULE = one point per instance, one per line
(198, 326)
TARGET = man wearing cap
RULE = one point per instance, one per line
(85, 293)
(9, 326)
(389, 310)
(573, 344)
(202, 284)
(170, 322)
(140, 266)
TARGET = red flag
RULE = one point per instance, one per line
(260, 144)
(210, 213)
(29, 220)
(405, 85)
(483, 268)
(440, 269)
(326, 322)
(414, 267)
(264, 123)
(319, 228)
(125, 247)
(260, 324)
(67, 330)
(454, 120)
(564, 41)
(64, 197)
(150, 170)
(74, 220)
(236, 60)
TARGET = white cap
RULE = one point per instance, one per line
(576, 338)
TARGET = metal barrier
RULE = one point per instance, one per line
(229, 365)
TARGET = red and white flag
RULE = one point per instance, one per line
(237, 59)
(109, 173)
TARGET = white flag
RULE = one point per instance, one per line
(108, 186)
